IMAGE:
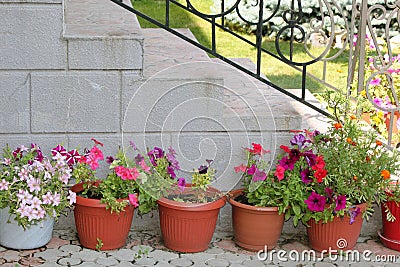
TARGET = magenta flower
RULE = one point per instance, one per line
(305, 176)
(286, 163)
(340, 203)
(155, 154)
(181, 183)
(376, 81)
(133, 200)
(170, 171)
(315, 202)
(110, 159)
(59, 150)
(252, 170)
(259, 176)
(73, 157)
(354, 214)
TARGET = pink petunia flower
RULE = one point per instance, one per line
(133, 200)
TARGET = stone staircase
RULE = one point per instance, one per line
(96, 73)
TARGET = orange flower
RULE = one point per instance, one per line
(378, 143)
(353, 117)
(385, 174)
(349, 140)
(355, 178)
(368, 158)
(337, 125)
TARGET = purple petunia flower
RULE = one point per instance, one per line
(174, 163)
(315, 202)
(329, 192)
(286, 163)
(299, 140)
(171, 172)
(259, 176)
(340, 203)
(181, 183)
(139, 159)
(109, 159)
(203, 169)
(252, 170)
(133, 145)
(294, 155)
(354, 214)
(154, 154)
(310, 157)
(305, 176)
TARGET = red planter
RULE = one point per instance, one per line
(93, 221)
(391, 230)
(255, 227)
(188, 227)
(336, 235)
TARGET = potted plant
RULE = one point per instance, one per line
(33, 193)
(260, 208)
(104, 207)
(188, 212)
(351, 170)
(390, 208)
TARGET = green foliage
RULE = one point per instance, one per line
(99, 244)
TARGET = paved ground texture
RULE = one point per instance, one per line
(145, 248)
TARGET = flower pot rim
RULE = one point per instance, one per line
(216, 204)
(90, 202)
(235, 193)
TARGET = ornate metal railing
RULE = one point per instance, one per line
(322, 31)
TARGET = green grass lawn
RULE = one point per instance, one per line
(230, 47)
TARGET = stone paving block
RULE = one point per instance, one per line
(181, 262)
(30, 43)
(145, 261)
(162, 263)
(123, 254)
(14, 103)
(107, 53)
(11, 255)
(218, 262)
(88, 255)
(110, 261)
(253, 263)
(198, 257)
(68, 102)
(164, 255)
(233, 257)
(51, 254)
(70, 248)
(69, 261)
(49, 264)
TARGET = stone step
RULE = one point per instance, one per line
(102, 35)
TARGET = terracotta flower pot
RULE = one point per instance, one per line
(336, 235)
(255, 227)
(94, 221)
(188, 227)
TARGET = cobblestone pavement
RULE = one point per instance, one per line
(145, 248)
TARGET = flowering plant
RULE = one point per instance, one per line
(269, 189)
(162, 167)
(34, 186)
(381, 73)
(339, 169)
(120, 182)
